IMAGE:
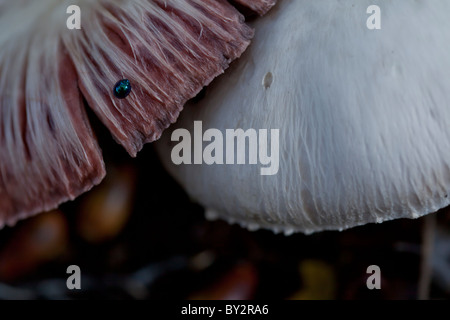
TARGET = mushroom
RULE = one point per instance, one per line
(363, 118)
(135, 63)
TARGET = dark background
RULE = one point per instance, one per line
(159, 245)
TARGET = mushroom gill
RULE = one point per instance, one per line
(168, 50)
(259, 6)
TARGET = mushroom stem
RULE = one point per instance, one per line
(428, 235)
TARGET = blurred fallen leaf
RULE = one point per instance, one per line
(319, 282)
(105, 211)
(238, 284)
(35, 242)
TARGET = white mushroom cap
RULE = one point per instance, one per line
(364, 118)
